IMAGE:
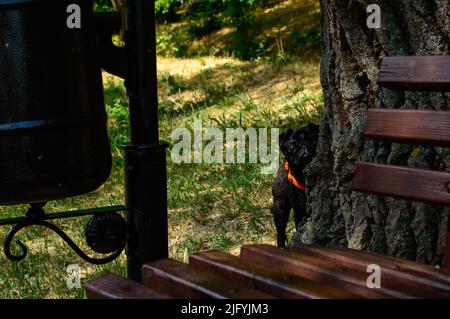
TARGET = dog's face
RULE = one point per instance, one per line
(299, 146)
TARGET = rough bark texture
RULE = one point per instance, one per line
(351, 58)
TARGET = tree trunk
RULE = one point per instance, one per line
(351, 56)
(119, 5)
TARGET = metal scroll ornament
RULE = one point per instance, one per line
(106, 231)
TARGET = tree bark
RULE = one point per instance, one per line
(351, 56)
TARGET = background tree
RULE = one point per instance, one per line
(351, 56)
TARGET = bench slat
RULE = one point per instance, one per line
(413, 126)
(273, 281)
(395, 263)
(411, 277)
(323, 271)
(114, 287)
(187, 281)
(424, 73)
(412, 183)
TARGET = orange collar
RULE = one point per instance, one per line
(292, 178)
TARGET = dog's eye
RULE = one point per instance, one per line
(291, 149)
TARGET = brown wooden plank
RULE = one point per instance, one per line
(427, 73)
(434, 288)
(273, 281)
(412, 126)
(188, 281)
(328, 272)
(417, 184)
(401, 265)
(114, 287)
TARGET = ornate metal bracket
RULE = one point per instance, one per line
(106, 232)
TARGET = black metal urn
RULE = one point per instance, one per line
(53, 125)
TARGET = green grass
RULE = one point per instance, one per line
(211, 206)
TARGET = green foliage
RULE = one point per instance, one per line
(165, 9)
(102, 5)
(170, 44)
(118, 110)
(240, 15)
(206, 16)
(242, 28)
(165, 6)
(200, 18)
(203, 17)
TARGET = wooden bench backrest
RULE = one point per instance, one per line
(409, 126)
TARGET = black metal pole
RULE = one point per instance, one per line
(145, 157)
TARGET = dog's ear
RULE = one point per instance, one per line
(285, 136)
(313, 128)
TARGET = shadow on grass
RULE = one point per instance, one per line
(222, 84)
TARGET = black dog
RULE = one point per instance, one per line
(299, 148)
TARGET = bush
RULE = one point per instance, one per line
(203, 17)
(171, 44)
(206, 16)
(165, 9)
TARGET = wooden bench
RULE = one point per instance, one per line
(307, 271)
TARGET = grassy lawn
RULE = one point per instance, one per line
(211, 206)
